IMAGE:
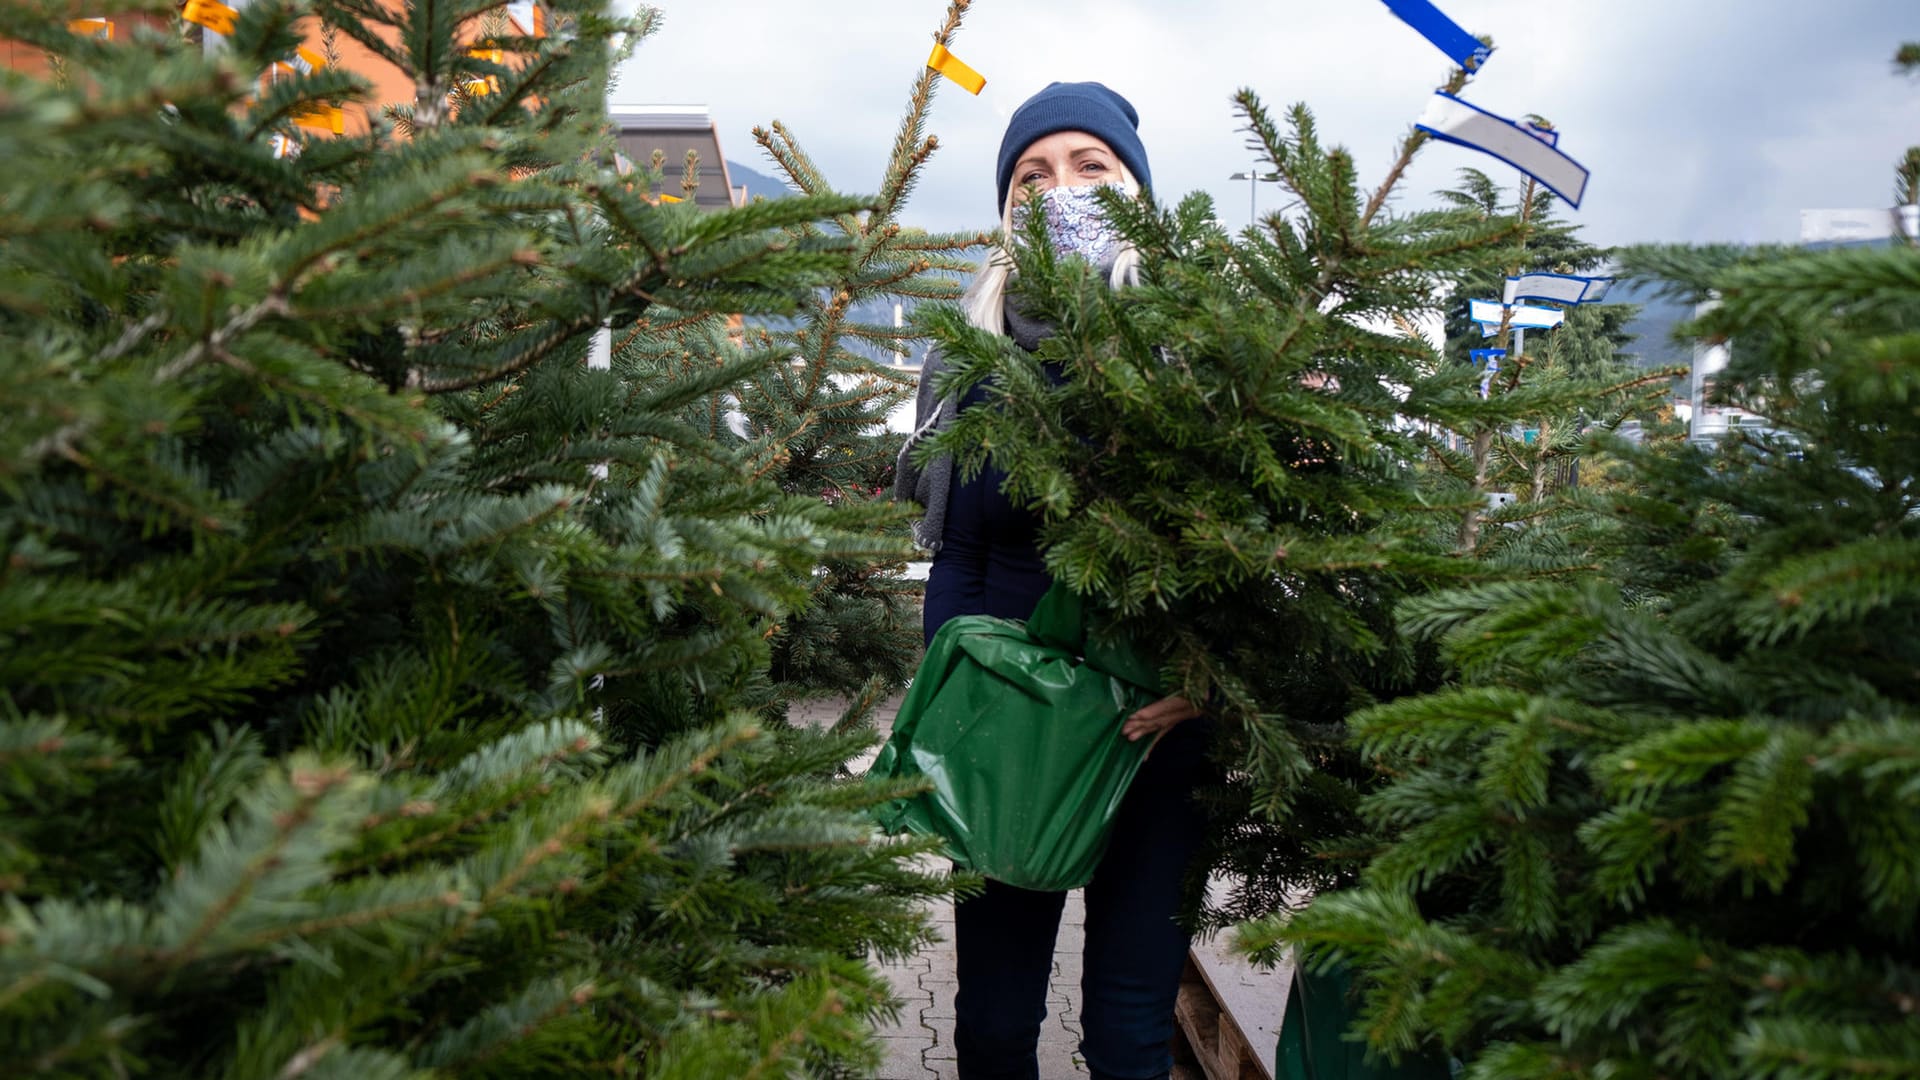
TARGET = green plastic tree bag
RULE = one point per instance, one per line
(1017, 725)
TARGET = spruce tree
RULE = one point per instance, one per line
(372, 669)
(1667, 823)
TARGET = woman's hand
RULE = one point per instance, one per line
(1159, 717)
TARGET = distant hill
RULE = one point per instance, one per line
(757, 183)
(1653, 345)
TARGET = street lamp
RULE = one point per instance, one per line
(1254, 180)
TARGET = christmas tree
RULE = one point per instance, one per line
(375, 665)
(1511, 458)
(1593, 333)
(1666, 825)
(822, 420)
(1231, 473)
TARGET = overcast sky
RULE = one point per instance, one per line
(1701, 120)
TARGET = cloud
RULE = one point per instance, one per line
(1702, 120)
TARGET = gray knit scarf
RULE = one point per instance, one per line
(930, 486)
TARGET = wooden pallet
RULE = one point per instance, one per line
(1215, 1045)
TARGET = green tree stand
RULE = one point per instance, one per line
(1313, 1036)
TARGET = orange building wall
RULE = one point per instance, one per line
(390, 85)
(31, 61)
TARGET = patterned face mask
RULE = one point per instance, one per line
(1075, 222)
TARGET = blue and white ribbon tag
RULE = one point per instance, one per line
(1550, 136)
(1447, 36)
(1522, 146)
(1557, 288)
(1487, 313)
(1489, 359)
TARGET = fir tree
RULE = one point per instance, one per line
(1524, 439)
(1667, 824)
(822, 419)
(1249, 467)
(351, 722)
(1548, 243)
(1228, 470)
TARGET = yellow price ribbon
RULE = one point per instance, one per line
(301, 61)
(306, 61)
(211, 14)
(322, 118)
(97, 28)
(949, 65)
(482, 85)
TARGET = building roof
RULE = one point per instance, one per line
(673, 130)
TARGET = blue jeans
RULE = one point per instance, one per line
(988, 565)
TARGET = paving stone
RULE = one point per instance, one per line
(941, 1028)
(919, 963)
(906, 1029)
(905, 987)
(902, 1060)
(1060, 1054)
(904, 979)
(906, 972)
(913, 1002)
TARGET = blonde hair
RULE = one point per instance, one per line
(985, 299)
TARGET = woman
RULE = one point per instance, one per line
(1059, 146)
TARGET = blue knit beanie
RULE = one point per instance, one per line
(1078, 106)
